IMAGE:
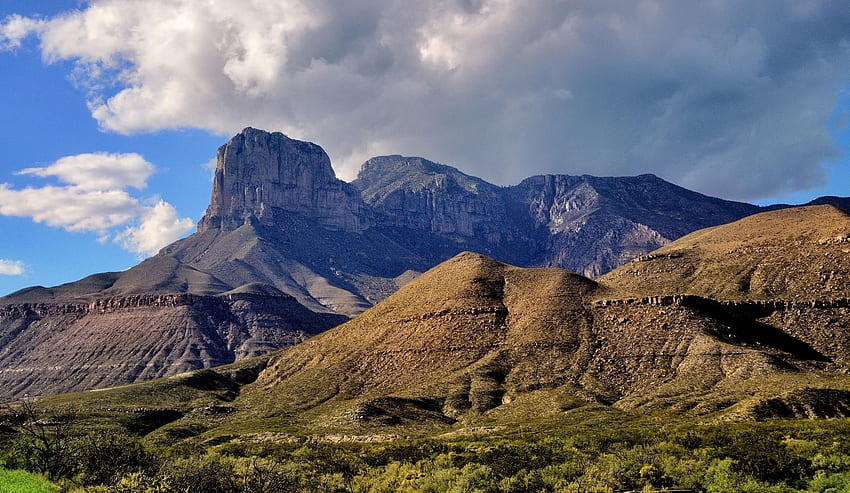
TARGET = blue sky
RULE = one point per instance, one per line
(745, 102)
(45, 119)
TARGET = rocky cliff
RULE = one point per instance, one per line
(258, 173)
(587, 224)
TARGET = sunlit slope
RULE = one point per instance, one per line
(800, 253)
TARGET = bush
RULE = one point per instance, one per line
(105, 458)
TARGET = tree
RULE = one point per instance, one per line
(45, 437)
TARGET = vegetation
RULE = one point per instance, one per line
(24, 482)
(612, 454)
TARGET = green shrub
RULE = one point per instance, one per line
(105, 458)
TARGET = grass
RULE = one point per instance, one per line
(24, 482)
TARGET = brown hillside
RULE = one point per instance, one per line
(801, 253)
(474, 335)
(457, 331)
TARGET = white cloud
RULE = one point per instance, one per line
(98, 171)
(95, 199)
(15, 28)
(727, 97)
(11, 267)
(160, 225)
(70, 208)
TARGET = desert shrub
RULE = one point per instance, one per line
(722, 476)
(765, 457)
(525, 482)
(138, 482)
(44, 440)
(332, 459)
(209, 473)
(830, 483)
(257, 474)
(105, 458)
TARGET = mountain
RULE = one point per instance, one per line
(492, 338)
(476, 342)
(306, 250)
(587, 224)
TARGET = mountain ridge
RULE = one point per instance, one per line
(476, 342)
(280, 224)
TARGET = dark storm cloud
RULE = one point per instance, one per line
(729, 98)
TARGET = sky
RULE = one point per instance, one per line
(112, 110)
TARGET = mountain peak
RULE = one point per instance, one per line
(260, 175)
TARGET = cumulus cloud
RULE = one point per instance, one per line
(731, 98)
(160, 225)
(70, 208)
(11, 267)
(94, 199)
(98, 171)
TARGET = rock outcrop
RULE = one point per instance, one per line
(258, 173)
(587, 224)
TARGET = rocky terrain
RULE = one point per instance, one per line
(799, 254)
(60, 347)
(307, 251)
(476, 342)
(491, 336)
(586, 224)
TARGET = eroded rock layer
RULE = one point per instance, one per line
(63, 347)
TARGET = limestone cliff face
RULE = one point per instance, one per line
(437, 211)
(587, 224)
(258, 173)
(414, 193)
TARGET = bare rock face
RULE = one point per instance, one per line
(63, 347)
(587, 224)
(592, 225)
(415, 193)
(258, 173)
(438, 211)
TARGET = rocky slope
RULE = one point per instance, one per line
(488, 335)
(496, 340)
(62, 347)
(790, 254)
(280, 225)
(587, 224)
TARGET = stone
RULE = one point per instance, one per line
(258, 173)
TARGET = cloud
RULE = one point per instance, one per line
(94, 199)
(160, 225)
(726, 97)
(98, 171)
(15, 28)
(70, 208)
(11, 267)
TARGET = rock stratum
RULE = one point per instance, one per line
(283, 230)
